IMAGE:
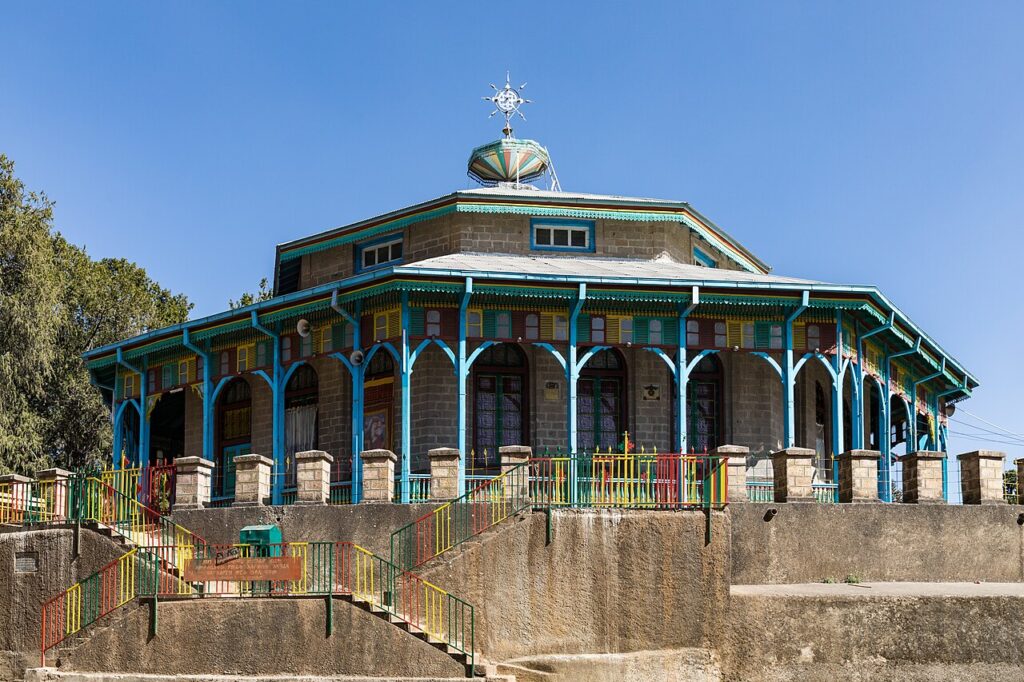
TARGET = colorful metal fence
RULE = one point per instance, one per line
(153, 486)
(327, 569)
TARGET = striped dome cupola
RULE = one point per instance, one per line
(508, 160)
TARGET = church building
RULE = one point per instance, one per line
(519, 314)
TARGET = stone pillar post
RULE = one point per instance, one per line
(793, 469)
(981, 477)
(313, 477)
(192, 482)
(517, 486)
(858, 476)
(922, 477)
(252, 480)
(1020, 480)
(18, 498)
(378, 475)
(735, 457)
(53, 488)
(444, 474)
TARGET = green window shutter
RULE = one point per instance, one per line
(416, 321)
(583, 329)
(168, 378)
(338, 336)
(640, 326)
(670, 331)
(490, 324)
(762, 334)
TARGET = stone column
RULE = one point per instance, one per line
(735, 457)
(517, 485)
(192, 482)
(313, 477)
(378, 475)
(922, 477)
(981, 477)
(793, 469)
(252, 480)
(858, 476)
(444, 474)
(1020, 480)
(18, 498)
(53, 488)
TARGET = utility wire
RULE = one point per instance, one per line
(985, 421)
(982, 428)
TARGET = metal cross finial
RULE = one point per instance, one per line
(506, 101)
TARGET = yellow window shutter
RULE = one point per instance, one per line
(734, 333)
(612, 329)
(547, 326)
(394, 323)
(799, 336)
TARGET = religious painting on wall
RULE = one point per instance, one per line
(376, 434)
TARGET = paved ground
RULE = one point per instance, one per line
(882, 590)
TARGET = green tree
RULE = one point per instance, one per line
(55, 304)
(265, 293)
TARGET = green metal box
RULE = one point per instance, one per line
(261, 538)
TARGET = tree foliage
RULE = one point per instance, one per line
(265, 293)
(56, 303)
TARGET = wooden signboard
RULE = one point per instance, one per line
(243, 569)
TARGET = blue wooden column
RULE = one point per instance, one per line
(573, 375)
(276, 382)
(358, 375)
(682, 374)
(406, 401)
(789, 374)
(143, 453)
(208, 395)
(462, 376)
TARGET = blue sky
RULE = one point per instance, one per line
(869, 143)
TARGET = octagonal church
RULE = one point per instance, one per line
(513, 314)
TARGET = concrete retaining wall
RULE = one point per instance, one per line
(789, 635)
(22, 594)
(258, 636)
(609, 582)
(883, 542)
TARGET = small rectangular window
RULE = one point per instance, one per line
(474, 324)
(376, 254)
(813, 337)
(183, 377)
(433, 323)
(568, 235)
(533, 326)
(306, 345)
(151, 384)
(261, 355)
(243, 359)
(703, 259)
(225, 363)
(199, 367)
(129, 385)
(748, 334)
(326, 339)
(380, 326)
(776, 336)
(561, 327)
(350, 335)
(654, 333)
(597, 329)
(286, 349)
(721, 338)
(503, 326)
(692, 333)
(626, 330)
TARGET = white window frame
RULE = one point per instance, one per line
(532, 326)
(377, 249)
(432, 322)
(550, 230)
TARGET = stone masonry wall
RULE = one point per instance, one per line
(193, 424)
(434, 406)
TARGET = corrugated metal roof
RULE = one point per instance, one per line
(590, 266)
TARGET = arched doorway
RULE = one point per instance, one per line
(167, 429)
(704, 402)
(500, 407)
(601, 402)
(234, 436)
(301, 396)
(378, 401)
